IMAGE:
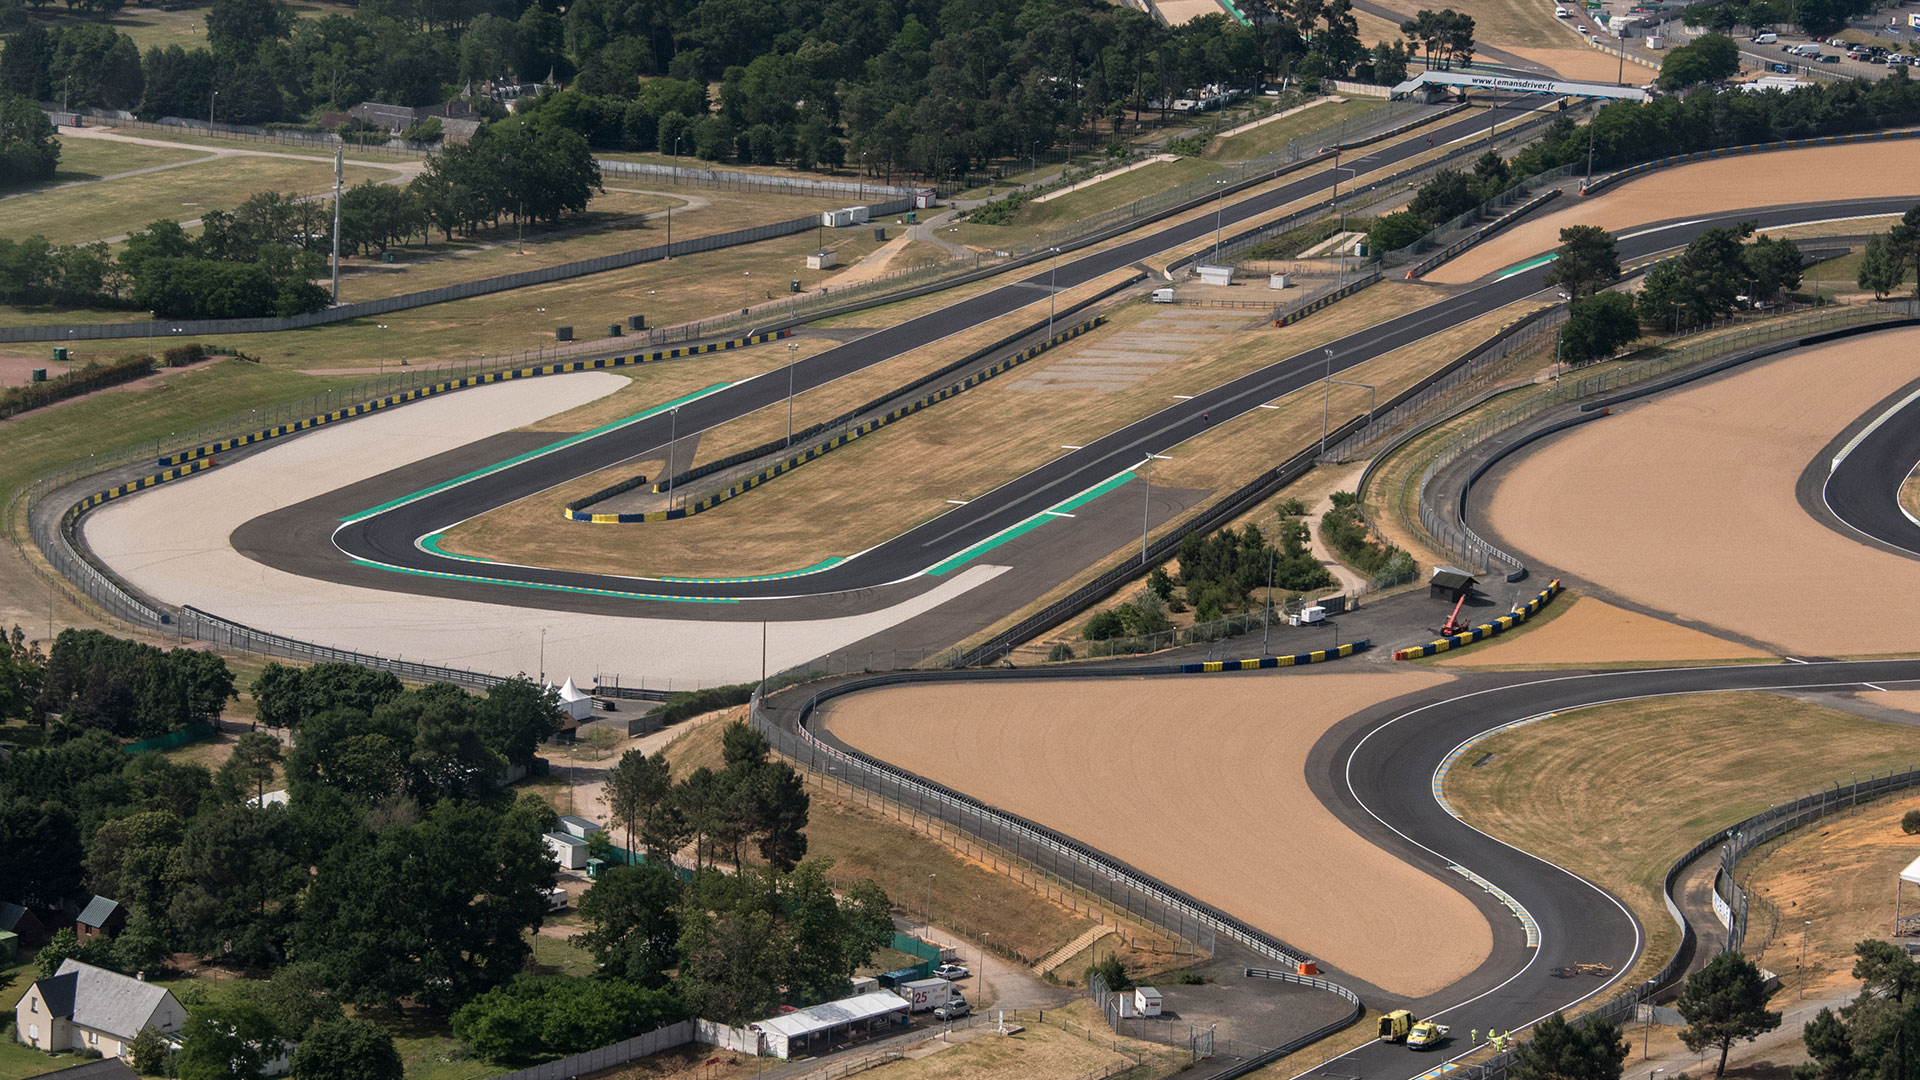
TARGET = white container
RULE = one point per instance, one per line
(865, 984)
(1147, 1000)
(822, 260)
(1278, 281)
(1125, 1004)
(1163, 296)
(1309, 616)
(1215, 275)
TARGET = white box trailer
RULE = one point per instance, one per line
(1146, 1000)
(923, 994)
(836, 219)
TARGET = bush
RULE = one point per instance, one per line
(1291, 508)
(1002, 211)
(182, 355)
(1190, 146)
(1160, 583)
(1060, 651)
(1103, 626)
(1910, 824)
(692, 703)
(1397, 230)
(562, 1014)
(1113, 972)
(1344, 529)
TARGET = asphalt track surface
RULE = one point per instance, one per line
(390, 539)
(1377, 773)
(1863, 490)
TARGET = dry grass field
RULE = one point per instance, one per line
(1604, 502)
(1590, 633)
(1073, 754)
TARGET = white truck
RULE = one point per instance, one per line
(924, 994)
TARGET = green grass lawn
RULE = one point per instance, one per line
(18, 1061)
(151, 27)
(116, 207)
(1269, 137)
(1085, 203)
(1616, 793)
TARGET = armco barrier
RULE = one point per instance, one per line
(1473, 239)
(1751, 148)
(466, 382)
(687, 476)
(1317, 656)
(1331, 298)
(793, 462)
(1485, 630)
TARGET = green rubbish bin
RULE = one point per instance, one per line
(59, 354)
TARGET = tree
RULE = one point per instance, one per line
(149, 1052)
(237, 27)
(1772, 266)
(347, 1050)
(516, 717)
(638, 790)
(634, 925)
(28, 151)
(1830, 1048)
(226, 1042)
(558, 1015)
(1592, 1050)
(1587, 261)
(1880, 267)
(255, 759)
(1598, 327)
(1708, 58)
(1391, 232)
(1724, 1003)
(42, 866)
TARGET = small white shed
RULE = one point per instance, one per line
(1146, 1000)
(1215, 275)
(578, 827)
(569, 851)
(823, 259)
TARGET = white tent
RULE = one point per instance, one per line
(1911, 873)
(574, 702)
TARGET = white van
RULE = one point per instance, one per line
(1765, 39)
(1805, 50)
(1562, 13)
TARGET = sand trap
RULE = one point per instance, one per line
(1585, 65)
(1593, 632)
(1817, 174)
(1904, 700)
(1201, 783)
(172, 543)
(1685, 503)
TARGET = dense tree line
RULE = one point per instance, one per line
(29, 153)
(751, 799)
(1813, 16)
(1876, 1036)
(921, 86)
(1718, 273)
(1708, 58)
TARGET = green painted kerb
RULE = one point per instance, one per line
(1030, 524)
(1521, 268)
(432, 544)
(823, 564)
(542, 585)
(529, 455)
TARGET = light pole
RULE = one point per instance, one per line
(66, 84)
(1341, 258)
(928, 922)
(1326, 403)
(673, 435)
(210, 98)
(1053, 272)
(1266, 624)
(1803, 958)
(1219, 204)
(793, 348)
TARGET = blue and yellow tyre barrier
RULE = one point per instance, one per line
(1485, 630)
(830, 445)
(1473, 239)
(1317, 656)
(1292, 317)
(601, 364)
(1751, 148)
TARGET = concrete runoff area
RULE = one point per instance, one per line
(1781, 177)
(1200, 782)
(1594, 633)
(173, 543)
(888, 482)
(1606, 502)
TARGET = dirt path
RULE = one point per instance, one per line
(1686, 503)
(1200, 782)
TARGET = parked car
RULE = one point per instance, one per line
(1829, 58)
(954, 1009)
(1582, 29)
(950, 972)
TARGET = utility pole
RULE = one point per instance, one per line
(339, 173)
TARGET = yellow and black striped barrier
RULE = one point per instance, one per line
(749, 483)
(1734, 151)
(141, 484)
(1335, 297)
(1485, 630)
(1317, 656)
(568, 368)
